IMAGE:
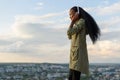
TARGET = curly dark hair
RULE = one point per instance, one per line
(92, 28)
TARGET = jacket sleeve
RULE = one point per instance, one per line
(76, 28)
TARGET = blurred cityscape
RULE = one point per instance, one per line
(52, 71)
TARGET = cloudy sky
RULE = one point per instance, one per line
(35, 30)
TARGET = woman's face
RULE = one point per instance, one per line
(71, 14)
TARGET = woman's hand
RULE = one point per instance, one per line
(74, 19)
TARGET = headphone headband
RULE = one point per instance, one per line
(78, 9)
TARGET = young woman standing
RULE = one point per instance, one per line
(82, 24)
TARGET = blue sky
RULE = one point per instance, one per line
(35, 30)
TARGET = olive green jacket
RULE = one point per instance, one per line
(78, 51)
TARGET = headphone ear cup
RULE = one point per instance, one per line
(76, 13)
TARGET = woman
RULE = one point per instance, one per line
(81, 24)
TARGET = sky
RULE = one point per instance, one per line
(35, 31)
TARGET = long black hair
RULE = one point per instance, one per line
(92, 28)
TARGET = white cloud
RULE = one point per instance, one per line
(105, 9)
(104, 51)
(16, 47)
(29, 32)
(40, 3)
(109, 25)
(29, 26)
(114, 8)
(43, 39)
(39, 6)
(50, 18)
(54, 52)
(106, 2)
(13, 57)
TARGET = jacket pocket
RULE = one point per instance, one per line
(75, 53)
